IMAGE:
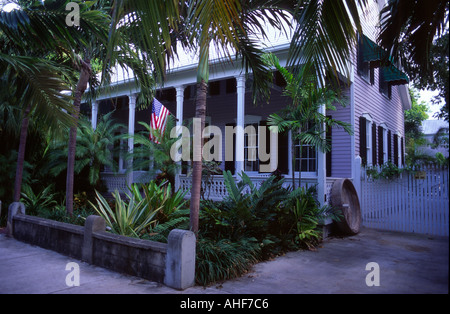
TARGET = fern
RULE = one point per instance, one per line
(160, 232)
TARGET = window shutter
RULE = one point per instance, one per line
(403, 151)
(267, 148)
(389, 136)
(283, 152)
(374, 144)
(329, 153)
(230, 165)
(396, 150)
(380, 145)
(363, 140)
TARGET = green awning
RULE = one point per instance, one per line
(393, 75)
(371, 52)
(376, 56)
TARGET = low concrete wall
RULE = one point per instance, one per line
(63, 238)
(172, 264)
(141, 258)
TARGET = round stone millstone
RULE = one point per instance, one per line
(344, 198)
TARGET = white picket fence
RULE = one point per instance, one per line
(414, 202)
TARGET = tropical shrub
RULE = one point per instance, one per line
(35, 202)
(224, 259)
(128, 217)
(94, 150)
(159, 195)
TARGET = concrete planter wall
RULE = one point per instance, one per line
(172, 264)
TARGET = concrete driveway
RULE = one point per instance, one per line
(370, 262)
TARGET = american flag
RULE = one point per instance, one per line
(158, 121)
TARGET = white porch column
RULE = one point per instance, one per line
(240, 124)
(94, 114)
(131, 122)
(180, 100)
(322, 168)
(179, 123)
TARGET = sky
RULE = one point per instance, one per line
(425, 95)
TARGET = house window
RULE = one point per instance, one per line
(308, 154)
(382, 144)
(251, 161)
(364, 69)
(366, 140)
(308, 158)
(398, 150)
(384, 86)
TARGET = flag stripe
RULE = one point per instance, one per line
(158, 120)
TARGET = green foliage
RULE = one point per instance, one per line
(128, 217)
(224, 259)
(59, 213)
(263, 221)
(388, 171)
(8, 173)
(148, 211)
(159, 195)
(93, 150)
(145, 149)
(34, 202)
(247, 210)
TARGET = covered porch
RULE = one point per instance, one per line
(229, 103)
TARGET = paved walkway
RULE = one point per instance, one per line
(407, 263)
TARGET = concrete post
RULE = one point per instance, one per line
(13, 209)
(93, 224)
(180, 259)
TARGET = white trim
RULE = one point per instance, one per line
(367, 116)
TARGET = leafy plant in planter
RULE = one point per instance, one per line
(128, 217)
(35, 202)
(388, 171)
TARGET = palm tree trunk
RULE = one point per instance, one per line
(21, 154)
(200, 112)
(79, 91)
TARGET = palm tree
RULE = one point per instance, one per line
(322, 41)
(325, 33)
(226, 25)
(93, 149)
(36, 42)
(154, 157)
(408, 29)
(302, 116)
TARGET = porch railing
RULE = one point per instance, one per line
(214, 189)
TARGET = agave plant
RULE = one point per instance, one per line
(161, 196)
(128, 217)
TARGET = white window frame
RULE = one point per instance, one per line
(399, 149)
(369, 147)
(385, 142)
(251, 120)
